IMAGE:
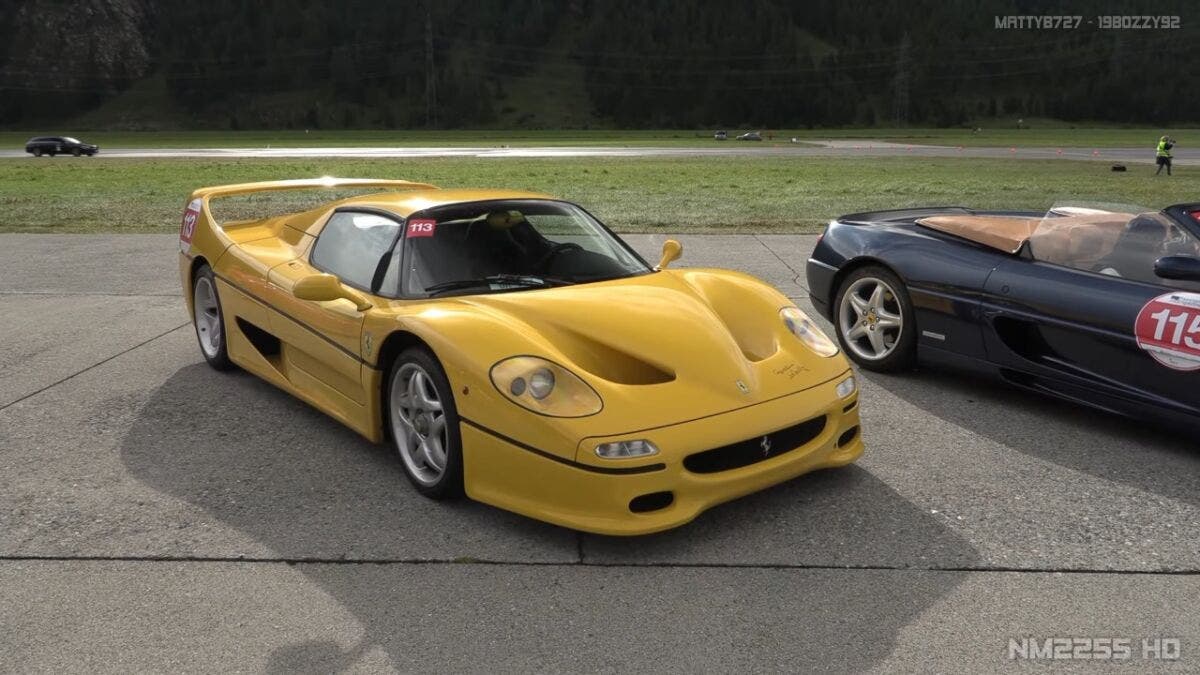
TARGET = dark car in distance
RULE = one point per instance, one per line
(1096, 305)
(59, 145)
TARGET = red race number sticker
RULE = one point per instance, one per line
(421, 228)
(1168, 328)
(188, 227)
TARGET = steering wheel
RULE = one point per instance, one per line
(543, 262)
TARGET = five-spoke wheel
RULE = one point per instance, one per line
(424, 424)
(208, 319)
(874, 320)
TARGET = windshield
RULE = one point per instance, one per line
(496, 246)
(70, 139)
(1118, 240)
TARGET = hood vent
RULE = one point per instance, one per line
(747, 315)
(608, 362)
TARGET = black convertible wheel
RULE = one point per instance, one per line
(875, 321)
(424, 424)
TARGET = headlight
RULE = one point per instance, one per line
(545, 387)
(803, 327)
(541, 383)
(626, 449)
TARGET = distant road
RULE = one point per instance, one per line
(728, 149)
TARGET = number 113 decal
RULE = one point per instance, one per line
(421, 228)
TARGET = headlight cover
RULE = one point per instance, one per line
(803, 328)
(847, 387)
(545, 387)
(626, 449)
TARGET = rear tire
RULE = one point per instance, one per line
(874, 320)
(423, 421)
(76, 152)
(37, 152)
(209, 320)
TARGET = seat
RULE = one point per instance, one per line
(439, 258)
(1135, 252)
(1077, 241)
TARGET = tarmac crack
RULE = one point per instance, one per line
(93, 366)
(247, 560)
(795, 273)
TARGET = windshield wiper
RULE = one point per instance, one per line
(523, 280)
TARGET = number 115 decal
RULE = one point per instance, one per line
(1168, 328)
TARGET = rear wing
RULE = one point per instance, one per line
(307, 184)
(198, 220)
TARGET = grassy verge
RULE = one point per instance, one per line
(1048, 136)
(769, 194)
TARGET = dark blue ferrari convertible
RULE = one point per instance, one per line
(1098, 305)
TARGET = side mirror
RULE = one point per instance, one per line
(1178, 267)
(671, 252)
(325, 288)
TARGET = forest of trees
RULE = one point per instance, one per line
(642, 63)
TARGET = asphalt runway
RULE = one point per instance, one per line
(159, 516)
(1183, 156)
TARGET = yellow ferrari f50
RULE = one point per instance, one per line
(515, 350)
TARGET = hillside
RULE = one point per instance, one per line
(304, 64)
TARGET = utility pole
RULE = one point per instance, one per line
(901, 83)
(430, 77)
(1118, 56)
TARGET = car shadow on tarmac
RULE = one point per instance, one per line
(1125, 451)
(289, 478)
(267, 464)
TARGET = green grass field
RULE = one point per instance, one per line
(769, 194)
(1048, 135)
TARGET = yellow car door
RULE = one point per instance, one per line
(321, 338)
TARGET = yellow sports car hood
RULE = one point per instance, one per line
(664, 347)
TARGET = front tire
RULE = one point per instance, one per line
(423, 419)
(37, 152)
(209, 320)
(76, 152)
(875, 322)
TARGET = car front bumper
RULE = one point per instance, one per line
(820, 276)
(593, 498)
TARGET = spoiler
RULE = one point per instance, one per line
(306, 184)
(198, 219)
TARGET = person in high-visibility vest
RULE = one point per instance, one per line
(1163, 152)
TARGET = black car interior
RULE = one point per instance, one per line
(474, 244)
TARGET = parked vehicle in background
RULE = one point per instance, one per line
(750, 136)
(721, 136)
(59, 145)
